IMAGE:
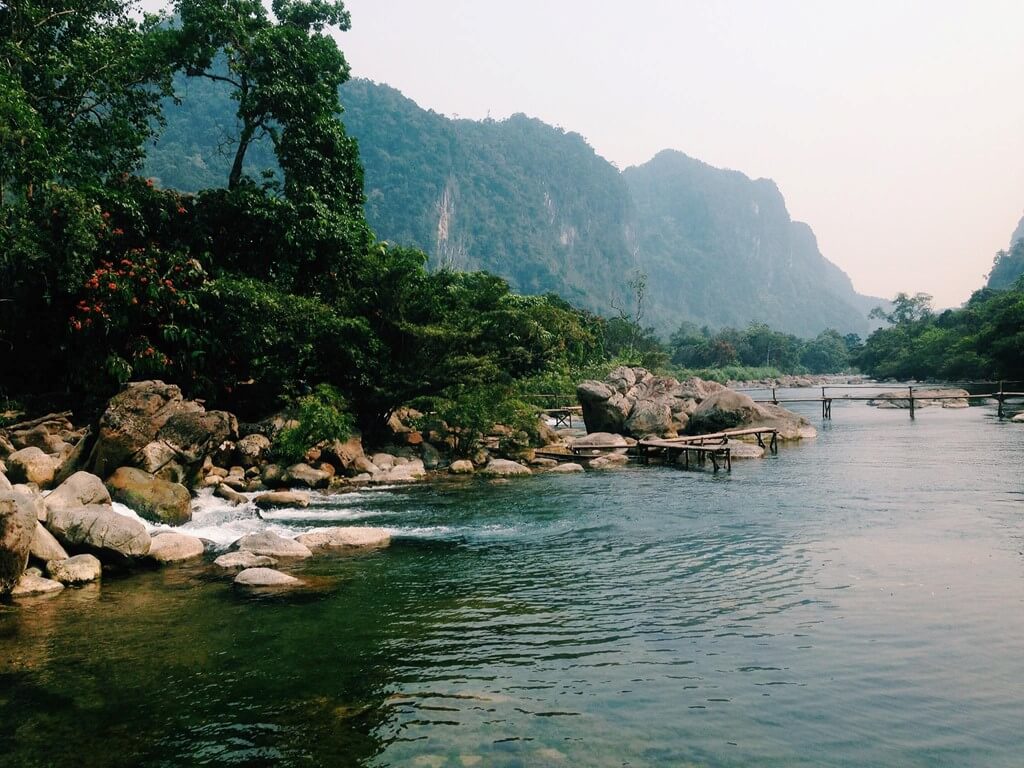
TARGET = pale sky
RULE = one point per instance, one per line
(895, 129)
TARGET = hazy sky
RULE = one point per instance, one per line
(895, 129)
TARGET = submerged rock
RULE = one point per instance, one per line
(79, 569)
(270, 544)
(340, 538)
(265, 577)
(175, 547)
(610, 461)
(243, 559)
(741, 450)
(226, 492)
(567, 468)
(31, 585)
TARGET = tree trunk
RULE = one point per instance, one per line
(243, 146)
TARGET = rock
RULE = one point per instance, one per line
(175, 547)
(79, 490)
(270, 544)
(923, 398)
(430, 456)
(44, 546)
(610, 461)
(276, 499)
(383, 461)
(791, 426)
(154, 499)
(195, 433)
(99, 528)
(272, 475)
(252, 450)
(156, 455)
(543, 463)
(343, 454)
(363, 464)
(34, 499)
(603, 439)
(567, 468)
(244, 560)
(265, 577)
(31, 585)
(340, 538)
(461, 467)
(132, 420)
(504, 468)
(742, 450)
(649, 417)
(17, 529)
(408, 472)
(546, 435)
(80, 569)
(75, 460)
(1018, 418)
(303, 474)
(5, 484)
(226, 492)
(724, 410)
(31, 465)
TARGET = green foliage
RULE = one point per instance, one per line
(1008, 266)
(322, 416)
(982, 340)
(465, 414)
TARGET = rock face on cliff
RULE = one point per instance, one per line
(635, 402)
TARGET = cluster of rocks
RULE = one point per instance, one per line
(636, 403)
(795, 381)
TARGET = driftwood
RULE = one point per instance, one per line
(23, 426)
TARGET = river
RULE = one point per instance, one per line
(856, 600)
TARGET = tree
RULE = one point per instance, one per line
(905, 309)
(80, 88)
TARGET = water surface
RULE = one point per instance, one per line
(856, 600)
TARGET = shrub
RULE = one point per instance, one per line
(322, 415)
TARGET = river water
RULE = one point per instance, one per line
(857, 600)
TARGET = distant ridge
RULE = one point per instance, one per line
(538, 206)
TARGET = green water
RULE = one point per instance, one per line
(856, 601)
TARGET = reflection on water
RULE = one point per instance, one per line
(856, 600)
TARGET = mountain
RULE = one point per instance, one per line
(1009, 265)
(538, 206)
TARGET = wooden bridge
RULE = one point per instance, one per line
(923, 392)
(713, 446)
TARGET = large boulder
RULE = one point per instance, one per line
(132, 420)
(98, 529)
(17, 529)
(193, 434)
(252, 450)
(343, 454)
(303, 474)
(44, 546)
(175, 547)
(724, 410)
(80, 569)
(504, 468)
(150, 497)
(31, 465)
(602, 440)
(270, 544)
(79, 490)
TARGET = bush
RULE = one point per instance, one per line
(322, 416)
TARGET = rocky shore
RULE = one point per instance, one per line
(113, 495)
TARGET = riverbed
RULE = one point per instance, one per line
(856, 600)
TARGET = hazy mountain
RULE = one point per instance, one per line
(1008, 266)
(536, 205)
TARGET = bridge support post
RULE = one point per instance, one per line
(911, 402)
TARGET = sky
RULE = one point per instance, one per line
(894, 128)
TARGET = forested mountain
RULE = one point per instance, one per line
(538, 206)
(1009, 265)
